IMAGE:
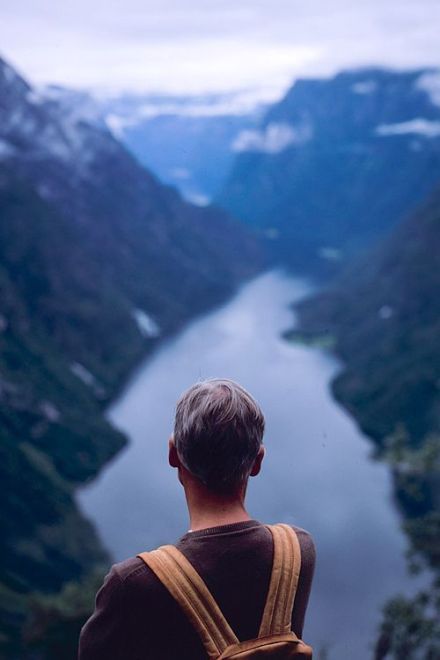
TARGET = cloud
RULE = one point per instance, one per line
(276, 137)
(198, 47)
(430, 83)
(367, 87)
(141, 108)
(423, 127)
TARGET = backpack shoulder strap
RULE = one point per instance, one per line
(277, 615)
(187, 587)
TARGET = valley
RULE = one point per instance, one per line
(116, 291)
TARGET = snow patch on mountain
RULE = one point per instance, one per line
(83, 374)
(86, 376)
(146, 324)
(419, 126)
(50, 411)
(276, 137)
(364, 87)
(198, 199)
(430, 83)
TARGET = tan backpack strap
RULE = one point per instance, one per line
(187, 587)
(277, 615)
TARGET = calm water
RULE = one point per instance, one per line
(317, 471)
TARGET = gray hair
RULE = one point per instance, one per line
(218, 432)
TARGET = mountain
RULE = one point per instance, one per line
(98, 259)
(338, 163)
(383, 319)
(384, 314)
(187, 141)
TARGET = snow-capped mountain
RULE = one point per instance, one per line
(185, 140)
(35, 124)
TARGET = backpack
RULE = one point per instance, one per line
(275, 638)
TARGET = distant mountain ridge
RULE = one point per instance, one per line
(97, 260)
(187, 141)
(338, 163)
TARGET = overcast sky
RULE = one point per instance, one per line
(194, 46)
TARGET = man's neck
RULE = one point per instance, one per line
(207, 509)
(217, 517)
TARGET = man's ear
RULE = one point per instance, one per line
(257, 463)
(173, 458)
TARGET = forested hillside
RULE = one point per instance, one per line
(97, 261)
(382, 317)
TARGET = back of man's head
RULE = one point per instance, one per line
(218, 432)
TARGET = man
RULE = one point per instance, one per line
(216, 447)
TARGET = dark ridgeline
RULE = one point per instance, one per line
(96, 259)
(335, 165)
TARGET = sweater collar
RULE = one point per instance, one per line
(221, 529)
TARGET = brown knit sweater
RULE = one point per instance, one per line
(136, 618)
